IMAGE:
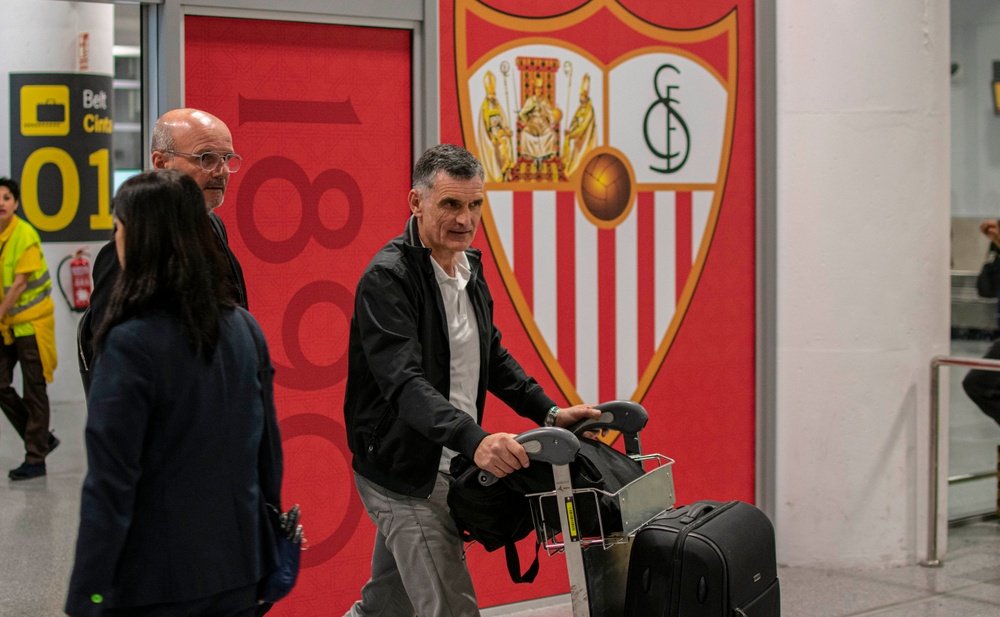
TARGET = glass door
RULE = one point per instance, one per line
(975, 122)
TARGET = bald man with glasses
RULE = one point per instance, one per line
(200, 145)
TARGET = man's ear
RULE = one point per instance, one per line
(413, 198)
(158, 159)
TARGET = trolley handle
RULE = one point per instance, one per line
(549, 444)
(628, 417)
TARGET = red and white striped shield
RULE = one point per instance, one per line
(605, 172)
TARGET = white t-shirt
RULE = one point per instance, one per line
(463, 338)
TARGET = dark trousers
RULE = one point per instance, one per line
(983, 387)
(240, 602)
(28, 414)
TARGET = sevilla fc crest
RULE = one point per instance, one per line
(606, 143)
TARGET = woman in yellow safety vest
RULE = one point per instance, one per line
(27, 327)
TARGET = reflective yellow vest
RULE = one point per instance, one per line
(34, 311)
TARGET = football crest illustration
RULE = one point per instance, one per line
(605, 170)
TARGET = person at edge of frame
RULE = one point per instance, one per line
(983, 387)
(173, 510)
(27, 324)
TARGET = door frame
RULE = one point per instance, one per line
(163, 47)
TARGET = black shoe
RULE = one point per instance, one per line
(27, 471)
(53, 442)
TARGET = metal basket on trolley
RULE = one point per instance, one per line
(636, 504)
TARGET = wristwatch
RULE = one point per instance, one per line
(550, 417)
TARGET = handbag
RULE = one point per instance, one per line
(283, 529)
(986, 282)
(288, 541)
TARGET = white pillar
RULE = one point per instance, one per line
(862, 273)
(44, 36)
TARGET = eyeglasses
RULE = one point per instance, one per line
(209, 161)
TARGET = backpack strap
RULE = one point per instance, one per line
(514, 563)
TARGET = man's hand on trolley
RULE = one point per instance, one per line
(568, 416)
(500, 454)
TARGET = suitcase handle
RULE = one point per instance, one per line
(698, 510)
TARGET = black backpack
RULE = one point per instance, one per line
(495, 515)
(498, 514)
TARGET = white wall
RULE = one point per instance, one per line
(39, 36)
(862, 273)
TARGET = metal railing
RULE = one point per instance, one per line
(933, 558)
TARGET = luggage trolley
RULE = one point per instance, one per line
(598, 565)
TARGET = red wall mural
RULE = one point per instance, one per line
(619, 143)
(322, 117)
(619, 236)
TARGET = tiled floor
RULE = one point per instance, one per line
(967, 585)
(38, 520)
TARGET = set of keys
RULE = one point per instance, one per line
(290, 525)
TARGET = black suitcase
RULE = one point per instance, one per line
(707, 559)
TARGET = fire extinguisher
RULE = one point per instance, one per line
(81, 284)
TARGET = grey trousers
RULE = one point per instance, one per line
(418, 566)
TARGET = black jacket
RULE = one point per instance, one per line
(172, 507)
(396, 406)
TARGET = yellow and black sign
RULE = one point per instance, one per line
(60, 146)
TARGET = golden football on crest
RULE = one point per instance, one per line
(605, 187)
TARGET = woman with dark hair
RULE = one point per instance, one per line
(173, 520)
